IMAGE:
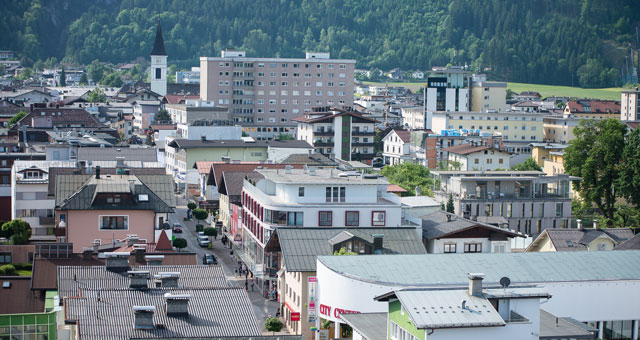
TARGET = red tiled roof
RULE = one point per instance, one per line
(178, 99)
(203, 167)
(405, 135)
(61, 116)
(395, 188)
(164, 243)
(597, 106)
(465, 149)
(18, 297)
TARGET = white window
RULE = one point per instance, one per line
(272, 120)
(307, 93)
(342, 75)
(260, 83)
(318, 93)
(272, 93)
(114, 222)
(260, 74)
(340, 93)
(260, 101)
(329, 93)
(330, 84)
(260, 119)
(272, 101)
(330, 66)
(284, 83)
(318, 83)
(284, 93)
(260, 64)
(272, 74)
(272, 83)
(261, 93)
(283, 102)
(296, 93)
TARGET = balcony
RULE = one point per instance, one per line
(60, 232)
(318, 143)
(362, 144)
(363, 133)
(324, 133)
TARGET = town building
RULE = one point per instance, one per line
(448, 90)
(559, 128)
(471, 156)
(158, 68)
(297, 248)
(549, 156)
(580, 239)
(488, 96)
(414, 117)
(309, 198)
(266, 93)
(529, 200)
(447, 233)
(593, 109)
(188, 77)
(527, 96)
(7, 159)
(102, 208)
(343, 134)
(161, 302)
(25, 97)
(196, 110)
(25, 314)
(630, 105)
(584, 286)
(144, 113)
(397, 147)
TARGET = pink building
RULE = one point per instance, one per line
(96, 210)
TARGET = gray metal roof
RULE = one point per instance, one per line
(578, 240)
(372, 326)
(443, 309)
(630, 244)
(102, 304)
(452, 269)
(553, 327)
(435, 225)
(191, 144)
(301, 246)
(111, 154)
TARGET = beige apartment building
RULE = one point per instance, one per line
(264, 94)
(488, 96)
(630, 105)
(559, 129)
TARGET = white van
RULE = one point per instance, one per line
(203, 241)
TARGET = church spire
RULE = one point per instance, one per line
(158, 44)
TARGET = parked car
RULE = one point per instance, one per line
(209, 259)
(377, 162)
(177, 230)
(203, 241)
(177, 225)
(201, 233)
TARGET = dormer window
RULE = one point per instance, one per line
(33, 174)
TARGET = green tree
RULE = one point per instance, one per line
(19, 230)
(63, 78)
(285, 136)
(96, 71)
(343, 251)
(529, 164)
(171, 74)
(273, 325)
(25, 74)
(629, 180)
(97, 96)
(16, 118)
(595, 155)
(211, 232)
(191, 205)
(450, 206)
(83, 79)
(200, 214)
(180, 243)
(112, 79)
(163, 116)
(409, 176)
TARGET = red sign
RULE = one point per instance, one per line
(326, 310)
(295, 316)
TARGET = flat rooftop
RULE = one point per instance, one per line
(321, 176)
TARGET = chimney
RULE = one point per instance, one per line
(448, 217)
(226, 159)
(418, 190)
(378, 246)
(97, 172)
(579, 223)
(154, 260)
(139, 251)
(203, 138)
(143, 317)
(132, 240)
(167, 279)
(475, 284)
(117, 261)
(177, 304)
(595, 224)
(138, 278)
(87, 254)
(287, 169)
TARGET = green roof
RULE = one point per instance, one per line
(452, 269)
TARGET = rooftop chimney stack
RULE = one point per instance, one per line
(579, 223)
(117, 261)
(154, 260)
(132, 240)
(475, 284)
(139, 251)
(595, 224)
(143, 317)
(378, 246)
(97, 172)
(87, 254)
(177, 304)
(168, 279)
(138, 278)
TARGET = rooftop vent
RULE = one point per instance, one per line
(143, 317)
(6, 284)
(177, 304)
(117, 261)
(312, 171)
(154, 260)
(167, 279)
(287, 169)
(138, 278)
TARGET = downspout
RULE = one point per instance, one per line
(431, 331)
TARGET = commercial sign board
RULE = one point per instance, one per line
(312, 283)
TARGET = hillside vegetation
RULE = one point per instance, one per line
(530, 41)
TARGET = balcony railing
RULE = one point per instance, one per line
(323, 143)
(362, 143)
(323, 133)
(363, 133)
(47, 220)
(61, 231)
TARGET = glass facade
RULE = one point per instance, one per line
(28, 326)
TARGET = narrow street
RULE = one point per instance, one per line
(262, 306)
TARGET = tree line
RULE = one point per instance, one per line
(540, 41)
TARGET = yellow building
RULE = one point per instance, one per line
(548, 152)
(579, 239)
(488, 96)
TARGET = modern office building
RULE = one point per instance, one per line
(529, 201)
(264, 94)
(447, 90)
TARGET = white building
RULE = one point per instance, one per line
(414, 117)
(194, 110)
(158, 67)
(346, 135)
(397, 147)
(188, 77)
(417, 75)
(310, 198)
(630, 105)
(448, 89)
(478, 157)
(584, 285)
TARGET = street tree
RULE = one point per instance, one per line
(180, 243)
(450, 206)
(163, 116)
(409, 176)
(595, 155)
(529, 164)
(17, 117)
(97, 96)
(273, 325)
(629, 179)
(211, 232)
(200, 215)
(63, 78)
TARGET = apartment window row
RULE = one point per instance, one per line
(488, 210)
(335, 194)
(295, 83)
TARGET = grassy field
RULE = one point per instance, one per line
(612, 93)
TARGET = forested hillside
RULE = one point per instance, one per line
(534, 41)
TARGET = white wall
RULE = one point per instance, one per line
(463, 100)
(277, 154)
(450, 103)
(431, 99)
(437, 246)
(212, 132)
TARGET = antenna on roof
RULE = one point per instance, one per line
(505, 282)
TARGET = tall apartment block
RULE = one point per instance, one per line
(264, 94)
(630, 105)
(448, 89)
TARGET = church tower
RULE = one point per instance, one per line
(159, 65)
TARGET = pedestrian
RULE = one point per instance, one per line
(246, 285)
(252, 285)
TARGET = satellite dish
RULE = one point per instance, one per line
(505, 282)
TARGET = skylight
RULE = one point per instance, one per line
(143, 197)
